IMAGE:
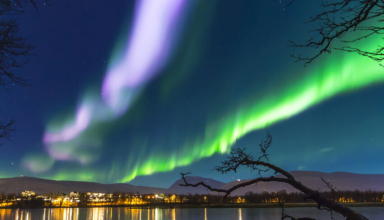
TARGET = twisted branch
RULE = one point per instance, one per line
(339, 19)
(239, 157)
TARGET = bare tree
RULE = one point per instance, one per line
(6, 128)
(339, 20)
(14, 49)
(14, 53)
(239, 157)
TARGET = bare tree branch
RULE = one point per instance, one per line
(6, 129)
(229, 191)
(239, 157)
(285, 216)
(14, 52)
(332, 188)
(337, 21)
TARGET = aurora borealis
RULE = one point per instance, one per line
(126, 76)
(151, 89)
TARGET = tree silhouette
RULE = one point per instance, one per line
(338, 21)
(14, 53)
(238, 157)
(14, 48)
(6, 129)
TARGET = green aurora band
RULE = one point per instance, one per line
(337, 74)
(334, 74)
(348, 73)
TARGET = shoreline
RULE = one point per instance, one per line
(182, 206)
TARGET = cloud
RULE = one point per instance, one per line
(327, 149)
(301, 167)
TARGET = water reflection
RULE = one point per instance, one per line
(87, 214)
(240, 218)
(108, 213)
(156, 216)
(173, 214)
(122, 213)
(58, 213)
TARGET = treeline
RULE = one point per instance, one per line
(296, 197)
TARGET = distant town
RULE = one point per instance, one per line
(29, 199)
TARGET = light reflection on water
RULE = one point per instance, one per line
(122, 213)
(240, 218)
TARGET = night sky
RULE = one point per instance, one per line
(141, 91)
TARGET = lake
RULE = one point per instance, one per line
(121, 213)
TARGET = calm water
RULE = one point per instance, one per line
(372, 213)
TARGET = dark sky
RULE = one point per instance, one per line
(106, 106)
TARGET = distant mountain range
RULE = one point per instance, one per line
(342, 180)
(41, 186)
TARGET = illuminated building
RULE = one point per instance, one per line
(27, 193)
(74, 194)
